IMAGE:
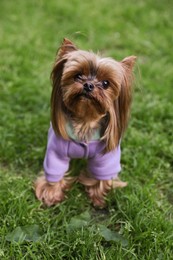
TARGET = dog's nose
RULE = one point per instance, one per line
(88, 86)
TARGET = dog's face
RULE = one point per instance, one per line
(90, 87)
(90, 84)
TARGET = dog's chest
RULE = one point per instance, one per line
(83, 131)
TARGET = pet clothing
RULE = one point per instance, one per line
(101, 166)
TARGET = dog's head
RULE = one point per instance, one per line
(91, 88)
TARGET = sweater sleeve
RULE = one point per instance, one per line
(56, 161)
(106, 166)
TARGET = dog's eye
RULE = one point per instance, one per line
(78, 77)
(105, 84)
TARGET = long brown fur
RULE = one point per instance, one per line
(98, 189)
(117, 111)
(106, 109)
(52, 193)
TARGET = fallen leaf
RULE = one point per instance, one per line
(29, 233)
(79, 221)
(110, 235)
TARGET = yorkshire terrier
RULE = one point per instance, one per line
(90, 105)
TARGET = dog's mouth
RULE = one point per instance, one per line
(86, 95)
(86, 101)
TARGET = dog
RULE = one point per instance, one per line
(90, 107)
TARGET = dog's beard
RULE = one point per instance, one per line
(84, 106)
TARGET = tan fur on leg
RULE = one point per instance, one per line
(98, 189)
(52, 193)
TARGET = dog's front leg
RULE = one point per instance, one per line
(52, 193)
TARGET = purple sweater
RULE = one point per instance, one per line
(59, 152)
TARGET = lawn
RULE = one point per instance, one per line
(138, 221)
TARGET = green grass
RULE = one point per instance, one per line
(138, 222)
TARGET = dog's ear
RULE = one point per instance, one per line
(118, 116)
(129, 62)
(66, 47)
(124, 99)
(57, 114)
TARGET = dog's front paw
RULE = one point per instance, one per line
(50, 193)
